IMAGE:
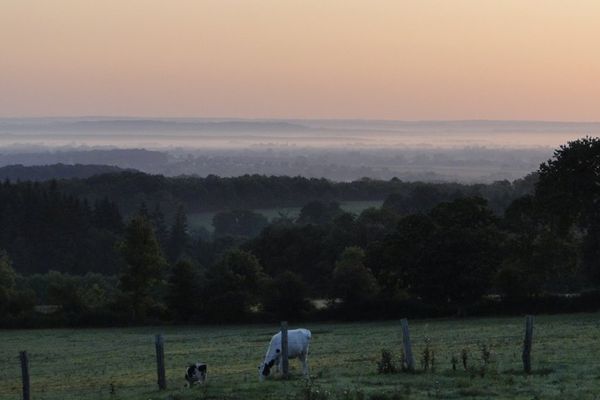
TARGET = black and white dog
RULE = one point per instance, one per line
(196, 373)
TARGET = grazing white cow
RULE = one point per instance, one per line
(298, 341)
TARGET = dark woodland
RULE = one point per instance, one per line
(115, 248)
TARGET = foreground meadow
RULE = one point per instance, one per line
(120, 363)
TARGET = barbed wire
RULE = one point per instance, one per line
(10, 370)
(98, 363)
(9, 360)
(63, 354)
(89, 387)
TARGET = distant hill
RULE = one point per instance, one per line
(54, 171)
(136, 125)
(145, 126)
(111, 125)
(139, 159)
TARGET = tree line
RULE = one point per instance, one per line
(213, 193)
(427, 251)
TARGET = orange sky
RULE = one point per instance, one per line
(392, 59)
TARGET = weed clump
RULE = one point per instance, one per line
(428, 357)
(387, 396)
(386, 364)
(486, 354)
(454, 361)
(464, 355)
(486, 357)
(403, 361)
(356, 394)
(311, 391)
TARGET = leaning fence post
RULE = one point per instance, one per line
(284, 349)
(25, 374)
(408, 355)
(160, 361)
(527, 343)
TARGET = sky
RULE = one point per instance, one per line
(371, 59)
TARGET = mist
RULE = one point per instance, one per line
(463, 151)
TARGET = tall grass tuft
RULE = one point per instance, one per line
(386, 364)
(464, 355)
(311, 391)
(428, 357)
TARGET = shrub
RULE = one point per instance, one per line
(464, 355)
(454, 361)
(428, 357)
(386, 364)
(311, 391)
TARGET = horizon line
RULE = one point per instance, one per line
(267, 119)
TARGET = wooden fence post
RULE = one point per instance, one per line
(284, 349)
(408, 355)
(527, 343)
(25, 375)
(160, 361)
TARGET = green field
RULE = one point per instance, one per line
(204, 219)
(83, 363)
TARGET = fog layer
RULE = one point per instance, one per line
(468, 151)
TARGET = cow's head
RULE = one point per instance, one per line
(264, 370)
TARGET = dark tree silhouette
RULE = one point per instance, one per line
(178, 238)
(184, 293)
(144, 264)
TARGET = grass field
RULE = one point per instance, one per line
(82, 364)
(204, 219)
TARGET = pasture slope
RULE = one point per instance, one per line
(91, 363)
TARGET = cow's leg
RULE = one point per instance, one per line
(304, 360)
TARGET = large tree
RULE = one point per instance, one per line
(303, 250)
(461, 255)
(13, 302)
(569, 183)
(144, 264)
(285, 297)
(184, 291)
(568, 195)
(536, 258)
(447, 257)
(352, 281)
(7, 282)
(178, 238)
(233, 286)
